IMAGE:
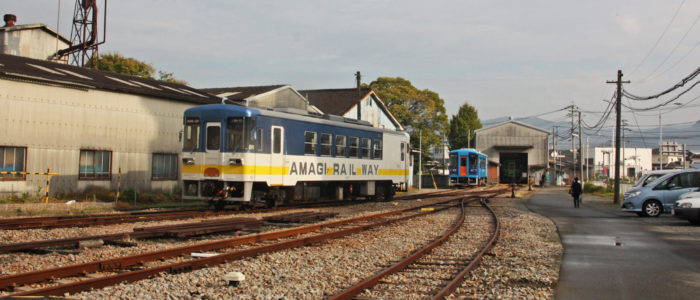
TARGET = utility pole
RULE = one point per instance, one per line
(469, 138)
(573, 149)
(618, 111)
(420, 159)
(358, 77)
(555, 138)
(580, 147)
(661, 146)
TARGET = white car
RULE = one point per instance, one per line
(687, 209)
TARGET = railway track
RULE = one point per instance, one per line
(133, 217)
(438, 268)
(132, 268)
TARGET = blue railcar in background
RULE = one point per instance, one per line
(468, 167)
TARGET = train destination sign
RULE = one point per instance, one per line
(310, 168)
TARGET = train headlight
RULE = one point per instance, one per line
(235, 161)
(187, 161)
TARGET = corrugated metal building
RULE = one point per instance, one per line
(520, 150)
(85, 123)
(33, 40)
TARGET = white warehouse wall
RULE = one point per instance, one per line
(55, 123)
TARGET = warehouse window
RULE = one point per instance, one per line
(95, 164)
(12, 159)
(365, 148)
(310, 142)
(164, 166)
(377, 149)
(354, 146)
(340, 147)
(326, 144)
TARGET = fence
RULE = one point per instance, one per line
(48, 179)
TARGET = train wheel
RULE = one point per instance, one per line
(220, 204)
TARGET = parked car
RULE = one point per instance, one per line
(689, 195)
(651, 176)
(660, 195)
(687, 209)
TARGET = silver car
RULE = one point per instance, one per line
(660, 195)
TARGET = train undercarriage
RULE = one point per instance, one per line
(241, 195)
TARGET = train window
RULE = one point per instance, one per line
(340, 149)
(377, 149)
(326, 144)
(277, 140)
(365, 148)
(234, 134)
(260, 139)
(213, 137)
(310, 142)
(354, 146)
(472, 160)
(191, 141)
(402, 152)
(240, 134)
(462, 161)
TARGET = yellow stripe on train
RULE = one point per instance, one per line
(272, 170)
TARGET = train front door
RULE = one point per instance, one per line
(212, 148)
(277, 169)
(463, 165)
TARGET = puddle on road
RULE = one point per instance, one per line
(599, 240)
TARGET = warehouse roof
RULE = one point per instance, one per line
(334, 101)
(51, 73)
(242, 92)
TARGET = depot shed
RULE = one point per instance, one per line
(520, 150)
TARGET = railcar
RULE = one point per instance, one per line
(248, 156)
(468, 167)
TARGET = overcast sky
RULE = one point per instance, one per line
(506, 58)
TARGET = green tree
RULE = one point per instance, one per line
(115, 62)
(421, 112)
(462, 127)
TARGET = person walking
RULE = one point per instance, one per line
(543, 178)
(575, 192)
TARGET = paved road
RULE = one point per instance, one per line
(609, 254)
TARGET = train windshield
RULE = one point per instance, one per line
(241, 134)
(472, 160)
(453, 160)
(191, 139)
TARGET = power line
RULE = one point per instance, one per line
(682, 83)
(660, 37)
(664, 103)
(674, 48)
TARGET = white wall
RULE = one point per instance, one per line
(55, 123)
(371, 112)
(638, 158)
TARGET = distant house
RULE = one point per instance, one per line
(636, 161)
(85, 125)
(343, 102)
(520, 150)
